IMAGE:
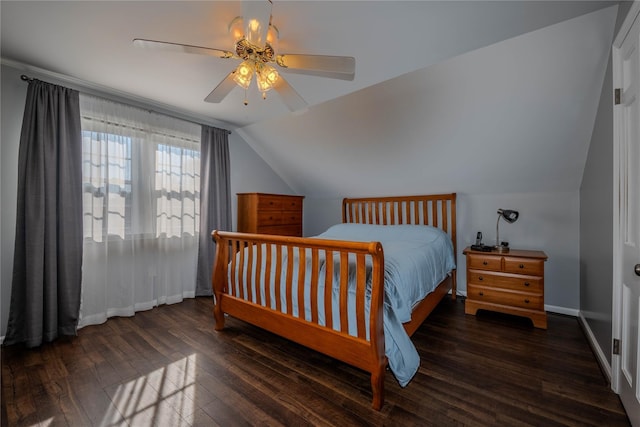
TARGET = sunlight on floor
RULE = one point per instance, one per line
(162, 397)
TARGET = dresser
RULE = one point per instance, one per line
(511, 282)
(270, 214)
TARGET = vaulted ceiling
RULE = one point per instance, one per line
(445, 92)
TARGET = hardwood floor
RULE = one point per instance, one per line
(168, 367)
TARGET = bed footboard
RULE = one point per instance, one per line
(314, 292)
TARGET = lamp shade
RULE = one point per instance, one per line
(509, 215)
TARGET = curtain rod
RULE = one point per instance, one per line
(26, 78)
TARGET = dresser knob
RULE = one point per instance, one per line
(521, 266)
(526, 283)
(481, 293)
(484, 263)
(480, 278)
(526, 301)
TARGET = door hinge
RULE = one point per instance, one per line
(616, 346)
(617, 96)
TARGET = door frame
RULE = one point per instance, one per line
(616, 320)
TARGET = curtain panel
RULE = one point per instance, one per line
(45, 292)
(141, 209)
(215, 190)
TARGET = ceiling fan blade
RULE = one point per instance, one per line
(289, 95)
(256, 16)
(222, 90)
(185, 48)
(333, 67)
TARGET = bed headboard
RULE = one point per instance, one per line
(437, 210)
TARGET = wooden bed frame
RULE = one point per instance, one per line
(244, 301)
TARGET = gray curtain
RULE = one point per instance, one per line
(215, 200)
(47, 264)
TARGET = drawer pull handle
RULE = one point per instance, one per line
(481, 293)
(526, 301)
(521, 266)
(484, 263)
(526, 283)
(480, 278)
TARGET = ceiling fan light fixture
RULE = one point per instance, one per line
(237, 31)
(272, 36)
(266, 77)
(244, 74)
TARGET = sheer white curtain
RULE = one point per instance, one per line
(141, 207)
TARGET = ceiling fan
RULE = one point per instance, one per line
(255, 45)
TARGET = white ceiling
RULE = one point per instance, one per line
(449, 96)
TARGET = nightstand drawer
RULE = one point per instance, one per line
(506, 281)
(534, 267)
(481, 262)
(512, 299)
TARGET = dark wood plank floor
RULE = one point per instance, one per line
(168, 367)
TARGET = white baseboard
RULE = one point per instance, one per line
(600, 355)
(562, 310)
(550, 308)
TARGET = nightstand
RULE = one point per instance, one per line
(511, 282)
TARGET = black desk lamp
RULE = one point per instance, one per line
(510, 216)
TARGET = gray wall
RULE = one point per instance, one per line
(248, 171)
(13, 92)
(596, 217)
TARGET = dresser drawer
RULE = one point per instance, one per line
(282, 230)
(482, 262)
(509, 298)
(506, 281)
(533, 267)
(269, 203)
(292, 204)
(268, 217)
(292, 217)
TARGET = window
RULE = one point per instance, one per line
(141, 173)
(106, 170)
(177, 185)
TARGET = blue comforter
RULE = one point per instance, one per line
(416, 258)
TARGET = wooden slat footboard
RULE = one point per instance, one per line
(261, 279)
